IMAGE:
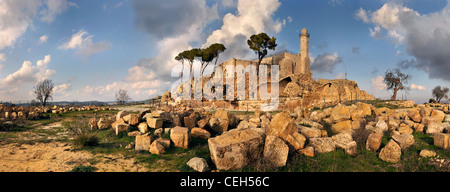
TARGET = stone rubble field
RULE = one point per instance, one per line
(270, 140)
(235, 142)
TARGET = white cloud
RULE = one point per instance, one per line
(289, 18)
(76, 41)
(53, 8)
(43, 39)
(62, 89)
(417, 87)
(362, 15)
(137, 90)
(378, 83)
(376, 32)
(425, 37)
(151, 76)
(29, 73)
(15, 17)
(82, 42)
(252, 17)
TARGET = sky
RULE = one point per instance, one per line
(91, 49)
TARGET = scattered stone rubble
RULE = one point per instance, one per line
(8, 113)
(237, 141)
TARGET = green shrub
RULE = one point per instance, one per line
(83, 169)
(86, 139)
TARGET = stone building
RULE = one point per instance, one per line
(295, 80)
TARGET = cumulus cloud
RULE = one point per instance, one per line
(53, 8)
(417, 87)
(82, 43)
(361, 14)
(62, 89)
(15, 17)
(29, 73)
(179, 26)
(326, 62)
(425, 37)
(251, 17)
(43, 39)
(378, 83)
(376, 32)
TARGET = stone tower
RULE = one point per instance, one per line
(304, 67)
(304, 51)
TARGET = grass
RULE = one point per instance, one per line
(83, 169)
(175, 159)
(379, 103)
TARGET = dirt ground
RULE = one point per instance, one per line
(59, 157)
(27, 155)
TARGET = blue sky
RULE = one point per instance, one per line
(90, 49)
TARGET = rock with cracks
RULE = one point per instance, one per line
(236, 148)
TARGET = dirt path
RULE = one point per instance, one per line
(59, 157)
(24, 154)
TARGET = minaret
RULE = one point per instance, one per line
(304, 51)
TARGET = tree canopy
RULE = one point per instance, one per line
(395, 80)
(440, 93)
(260, 43)
(44, 91)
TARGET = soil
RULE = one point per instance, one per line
(59, 157)
(56, 156)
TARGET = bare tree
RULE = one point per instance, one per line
(122, 96)
(396, 80)
(44, 91)
(440, 93)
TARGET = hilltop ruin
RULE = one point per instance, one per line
(295, 83)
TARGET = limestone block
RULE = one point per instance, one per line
(373, 141)
(275, 151)
(198, 164)
(143, 127)
(322, 145)
(391, 152)
(143, 142)
(154, 123)
(236, 148)
(180, 137)
(156, 148)
(200, 133)
(442, 140)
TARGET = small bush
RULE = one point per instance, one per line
(86, 139)
(360, 136)
(83, 169)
